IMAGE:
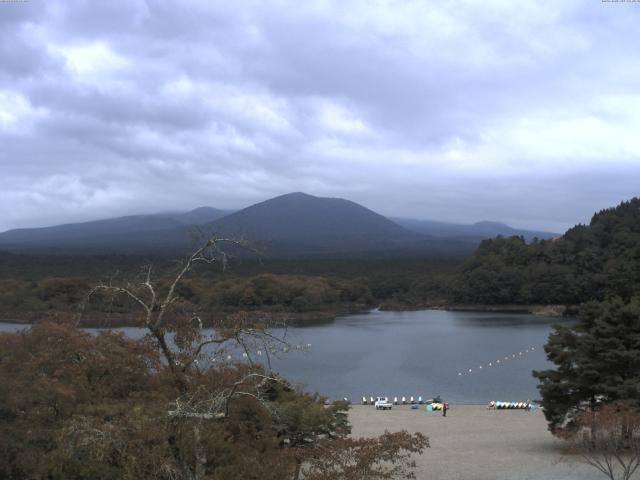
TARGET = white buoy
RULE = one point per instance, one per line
(470, 370)
(459, 373)
(497, 361)
(490, 364)
(259, 352)
(228, 357)
(245, 355)
(480, 367)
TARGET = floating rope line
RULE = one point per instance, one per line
(236, 356)
(498, 362)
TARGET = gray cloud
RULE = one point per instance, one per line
(461, 111)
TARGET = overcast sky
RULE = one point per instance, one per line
(522, 111)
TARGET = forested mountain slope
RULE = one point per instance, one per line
(589, 262)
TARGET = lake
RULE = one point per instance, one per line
(427, 353)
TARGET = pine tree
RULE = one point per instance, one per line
(597, 361)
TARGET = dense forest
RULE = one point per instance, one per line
(265, 292)
(589, 262)
(311, 290)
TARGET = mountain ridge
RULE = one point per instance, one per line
(292, 224)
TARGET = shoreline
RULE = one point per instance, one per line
(560, 311)
(295, 319)
(118, 320)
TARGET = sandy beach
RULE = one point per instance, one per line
(473, 443)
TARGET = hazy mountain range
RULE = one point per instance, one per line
(295, 224)
(476, 231)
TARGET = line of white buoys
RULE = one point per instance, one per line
(499, 361)
(259, 352)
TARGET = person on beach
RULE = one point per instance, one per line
(445, 407)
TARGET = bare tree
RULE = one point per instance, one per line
(608, 438)
(187, 350)
(199, 398)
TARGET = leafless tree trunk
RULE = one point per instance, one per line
(198, 407)
(200, 452)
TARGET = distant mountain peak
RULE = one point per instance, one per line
(295, 195)
(298, 197)
(202, 209)
(307, 218)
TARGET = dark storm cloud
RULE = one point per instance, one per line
(516, 111)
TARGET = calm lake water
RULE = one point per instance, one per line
(425, 353)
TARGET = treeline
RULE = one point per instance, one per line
(32, 285)
(292, 293)
(590, 262)
(37, 267)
